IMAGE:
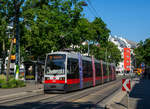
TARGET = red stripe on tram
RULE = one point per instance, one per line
(55, 81)
(73, 81)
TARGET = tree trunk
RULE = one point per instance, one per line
(9, 59)
(3, 58)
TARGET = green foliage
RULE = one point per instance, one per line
(6, 17)
(52, 25)
(142, 52)
(100, 31)
(12, 83)
(109, 53)
(55, 25)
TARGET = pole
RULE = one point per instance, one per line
(3, 58)
(88, 48)
(102, 72)
(107, 64)
(128, 99)
(17, 37)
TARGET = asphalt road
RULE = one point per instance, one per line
(89, 98)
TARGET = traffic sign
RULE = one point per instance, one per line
(126, 85)
(142, 64)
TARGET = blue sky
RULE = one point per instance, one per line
(125, 18)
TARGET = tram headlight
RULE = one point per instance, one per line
(47, 78)
(62, 78)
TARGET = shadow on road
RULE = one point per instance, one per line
(54, 105)
(141, 92)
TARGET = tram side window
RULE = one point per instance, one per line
(105, 69)
(86, 69)
(72, 68)
(97, 69)
(90, 69)
(114, 69)
(110, 69)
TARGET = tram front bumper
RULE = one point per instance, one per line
(54, 87)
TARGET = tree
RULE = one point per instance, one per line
(109, 54)
(52, 25)
(142, 52)
(100, 32)
(49, 26)
(5, 21)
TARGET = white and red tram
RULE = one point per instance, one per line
(66, 71)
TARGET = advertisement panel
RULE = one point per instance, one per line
(127, 59)
(80, 70)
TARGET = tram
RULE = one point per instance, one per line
(65, 71)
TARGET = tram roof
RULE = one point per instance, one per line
(75, 55)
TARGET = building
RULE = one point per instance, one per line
(126, 47)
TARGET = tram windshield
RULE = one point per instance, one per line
(55, 64)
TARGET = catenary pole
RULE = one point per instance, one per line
(17, 7)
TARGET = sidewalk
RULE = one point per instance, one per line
(139, 97)
(30, 87)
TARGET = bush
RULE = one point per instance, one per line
(2, 77)
(1, 82)
(21, 83)
(12, 83)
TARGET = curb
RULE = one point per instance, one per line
(120, 94)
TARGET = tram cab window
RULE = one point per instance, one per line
(55, 64)
(72, 68)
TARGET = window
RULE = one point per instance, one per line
(105, 69)
(110, 70)
(72, 68)
(98, 69)
(87, 69)
(90, 69)
(55, 64)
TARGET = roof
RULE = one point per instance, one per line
(132, 43)
(75, 55)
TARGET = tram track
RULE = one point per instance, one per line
(74, 96)
(28, 97)
(17, 98)
(46, 99)
(90, 96)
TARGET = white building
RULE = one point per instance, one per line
(121, 44)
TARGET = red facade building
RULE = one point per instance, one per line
(127, 59)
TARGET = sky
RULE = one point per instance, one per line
(129, 19)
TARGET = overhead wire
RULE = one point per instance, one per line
(91, 11)
(94, 10)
